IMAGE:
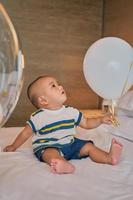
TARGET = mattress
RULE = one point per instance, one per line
(22, 176)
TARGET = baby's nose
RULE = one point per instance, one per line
(60, 87)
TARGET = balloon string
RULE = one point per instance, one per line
(112, 110)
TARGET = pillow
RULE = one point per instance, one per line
(125, 104)
(124, 129)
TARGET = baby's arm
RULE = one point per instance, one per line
(89, 123)
(20, 139)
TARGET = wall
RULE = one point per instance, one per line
(55, 36)
(118, 19)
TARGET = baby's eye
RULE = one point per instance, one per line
(53, 85)
(58, 83)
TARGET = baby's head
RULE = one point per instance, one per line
(46, 92)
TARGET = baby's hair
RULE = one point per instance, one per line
(33, 98)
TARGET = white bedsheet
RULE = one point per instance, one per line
(23, 177)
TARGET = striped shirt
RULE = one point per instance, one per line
(54, 128)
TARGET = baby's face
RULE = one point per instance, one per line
(53, 92)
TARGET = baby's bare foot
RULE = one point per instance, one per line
(61, 166)
(115, 151)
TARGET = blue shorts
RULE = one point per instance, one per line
(69, 151)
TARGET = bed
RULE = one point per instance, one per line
(23, 177)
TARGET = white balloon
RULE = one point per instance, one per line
(108, 67)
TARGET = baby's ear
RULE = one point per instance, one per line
(42, 100)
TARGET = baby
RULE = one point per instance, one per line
(52, 128)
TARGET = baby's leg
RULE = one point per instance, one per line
(57, 163)
(115, 151)
(61, 166)
(101, 156)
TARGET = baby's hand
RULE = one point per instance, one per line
(9, 148)
(107, 119)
